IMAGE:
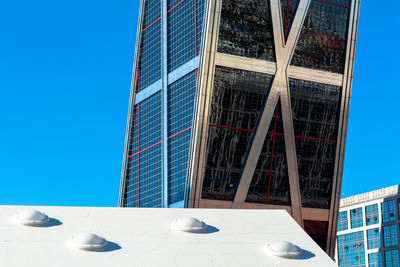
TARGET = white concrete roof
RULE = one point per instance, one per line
(142, 237)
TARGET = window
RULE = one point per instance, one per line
(356, 218)
(315, 111)
(374, 238)
(388, 211)
(390, 235)
(270, 183)
(392, 258)
(343, 221)
(375, 259)
(351, 250)
(237, 100)
(322, 42)
(246, 29)
(371, 214)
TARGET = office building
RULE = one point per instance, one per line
(368, 229)
(242, 104)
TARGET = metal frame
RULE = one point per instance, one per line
(343, 122)
(164, 103)
(206, 61)
(203, 98)
(282, 71)
(131, 105)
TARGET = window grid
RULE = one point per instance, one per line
(181, 34)
(375, 259)
(374, 238)
(315, 110)
(351, 250)
(392, 258)
(246, 29)
(270, 183)
(390, 235)
(237, 99)
(143, 187)
(322, 42)
(149, 65)
(288, 9)
(356, 218)
(343, 221)
(181, 96)
(371, 214)
(388, 211)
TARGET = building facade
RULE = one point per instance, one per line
(242, 104)
(368, 229)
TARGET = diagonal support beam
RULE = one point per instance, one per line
(283, 52)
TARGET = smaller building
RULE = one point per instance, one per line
(369, 229)
(153, 237)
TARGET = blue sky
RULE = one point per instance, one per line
(65, 70)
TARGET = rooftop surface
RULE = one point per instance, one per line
(143, 237)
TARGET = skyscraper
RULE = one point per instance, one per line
(242, 104)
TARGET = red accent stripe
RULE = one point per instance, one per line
(151, 24)
(175, 6)
(326, 2)
(318, 139)
(180, 132)
(160, 17)
(273, 149)
(275, 133)
(139, 155)
(233, 128)
(172, 136)
(305, 137)
(286, 19)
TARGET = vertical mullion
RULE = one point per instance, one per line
(164, 103)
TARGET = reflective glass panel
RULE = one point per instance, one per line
(270, 183)
(318, 231)
(246, 29)
(351, 249)
(315, 110)
(237, 99)
(322, 42)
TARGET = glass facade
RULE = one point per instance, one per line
(343, 221)
(371, 214)
(315, 109)
(149, 66)
(180, 116)
(392, 258)
(318, 231)
(270, 183)
(237, 99)
(356, 218)
(183, 31)
(190, 102)
(389, 211)
(390, 237)
(246, 29)
(374, 238)
(351, 249)
(375, 259)
(144, 163)
(288, 9)
(322, 42)
(144, 186)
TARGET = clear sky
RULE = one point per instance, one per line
(65, 71)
